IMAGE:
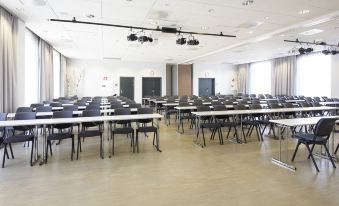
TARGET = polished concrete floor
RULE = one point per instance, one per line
(183, 174)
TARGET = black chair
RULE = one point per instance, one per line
(26, 134)
(135, 106)
(185, 114)
(3, 117)
(62, 134)
(145, 128)
(125, 129)
(225, 121)
(207, 123)
(322, 133)
(55, 104)
(71, 108)
(23, 109)
(85, 132)
(35, 105)
(93, 107)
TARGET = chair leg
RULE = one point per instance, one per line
(132, 141)
(101, 148)
(329, 156)
(10, 148)
(309, 150)
(50, 147)
(336, 150)
(4, 156)
(31, 161)
(72, 148)
(78, 146)
(46, 150)
(220, 136)
(137, 140)
(203, 136)
(112, 143)
(309, 156)
(295, 151)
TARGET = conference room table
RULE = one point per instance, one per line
(287, 126)
(240, 113)
(76, 120)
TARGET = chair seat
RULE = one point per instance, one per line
(89, 133)
(309, 138)
(228, 124)
(59, 136)
(147, 129)
(209, 125)
(18, 138)
(124, 130)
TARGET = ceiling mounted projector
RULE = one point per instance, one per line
(181, 40)
(326, 52)
(132, 37)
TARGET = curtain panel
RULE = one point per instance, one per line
(283, 75)
(8, 56)
(243, 78)
(46, 83)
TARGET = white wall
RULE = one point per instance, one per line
(95, 70)
(335, 77)
(223, 74)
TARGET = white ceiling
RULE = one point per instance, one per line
(227, 16)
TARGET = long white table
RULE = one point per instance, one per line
(256, 111)
(79, 120)
(288, 124)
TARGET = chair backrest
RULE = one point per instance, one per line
(305, 104)
(3, 116)
(255, 106)
(255, 101)
(135, 106)
(324, 127)
(71, 108)
(36, 105)
(219, 108)
(216, 103)
(63, 114)
(122, 111)
(145, 111)
(288, 105)
(240, 107)
(80, 103)
(94, 103)
(203, 108)
(116, 106)
(44, 109)
(24, 109)
(316, 104)
(55, 104)
(91, 113)
(24, 116)
(183, 104)
(93, 107)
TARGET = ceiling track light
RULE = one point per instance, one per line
(159, 29)
(312, 43)
(331, 49)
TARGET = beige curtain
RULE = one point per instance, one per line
(242, 78)
(63, 65)
(46, 83)
(8, 67)
(283, 74)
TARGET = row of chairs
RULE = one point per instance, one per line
(60, 132)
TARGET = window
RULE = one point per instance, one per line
(313, 76)
(31, 68)
(56, 74)
(260, 78)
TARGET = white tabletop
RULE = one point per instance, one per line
(300, 121)
(78, 120)
(262, 111)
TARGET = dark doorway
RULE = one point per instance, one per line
(151, 86)
(206, 87)
(127, 87)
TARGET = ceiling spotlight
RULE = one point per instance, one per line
(143, 39)
(132, 37)
(181, 40)
(326, 52)
(309, 50)
(192, 41)
(150, 39)
(302, 50)
(248, 2)
(334, 52)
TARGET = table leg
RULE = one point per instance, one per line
(44, 143)
(158, 136)
(279, 161)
